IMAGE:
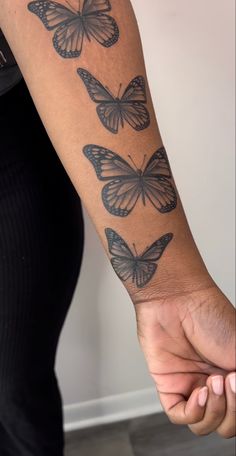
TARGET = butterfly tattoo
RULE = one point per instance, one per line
(126, 185)
(73, 26)
(128, 265)
(115, 111)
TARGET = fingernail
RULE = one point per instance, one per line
(202, 396)
(232, 381)
(218, 385)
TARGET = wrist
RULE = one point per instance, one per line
(174, 279)
(171, 287)
(180, 270)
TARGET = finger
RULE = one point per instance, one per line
(227, 428)
(180, 411)
(215, 408)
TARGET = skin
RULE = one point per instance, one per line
(174, 335)
(181, 303)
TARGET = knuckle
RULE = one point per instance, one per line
(199, 432)
(227, 434)
(172, 419)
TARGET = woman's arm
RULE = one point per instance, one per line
(87, 77)
(71, 119)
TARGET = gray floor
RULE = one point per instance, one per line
(149, 436)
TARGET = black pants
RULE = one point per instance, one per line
(41, 244)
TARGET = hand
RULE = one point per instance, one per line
(189, 343)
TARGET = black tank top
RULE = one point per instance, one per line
(10, 74)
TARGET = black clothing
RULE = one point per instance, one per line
(41, 243)
(10, 74)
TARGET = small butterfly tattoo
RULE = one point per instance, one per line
(128, 265)
(126, 185)
(115, 111)
(72, 25)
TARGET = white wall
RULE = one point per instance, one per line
(189, 51)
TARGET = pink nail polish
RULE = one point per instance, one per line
(232, 381)
(202, 396)
(218, 385)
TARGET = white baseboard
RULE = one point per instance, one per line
(111, 409)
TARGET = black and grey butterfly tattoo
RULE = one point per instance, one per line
(115, 111)
(73, 26)
(126, 185)
(128, 265)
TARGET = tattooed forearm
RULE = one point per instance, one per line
(128, 265)
(115, 111)
(72, 25)
(126, 185)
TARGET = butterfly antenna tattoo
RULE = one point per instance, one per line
(118, 96)
(137, 169)
(136, 253)
(68, 3)
(144, 160)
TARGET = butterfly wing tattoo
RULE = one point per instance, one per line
(121, 194)
(125, 185)
(156, 182)
(71, 26)
(114, 112)
(129, 266)
(132, 103)
(102, 27)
